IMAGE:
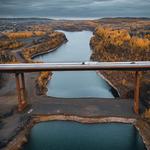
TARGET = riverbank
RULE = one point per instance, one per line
(118, 45)
(50, 42)
(55, 39)
(22, 137)
(113, 88)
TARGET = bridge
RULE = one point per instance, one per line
(20, 69)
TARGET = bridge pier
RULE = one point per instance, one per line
(21, 91)
(137, 92)
(22, 101)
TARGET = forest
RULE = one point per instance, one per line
(118, 45)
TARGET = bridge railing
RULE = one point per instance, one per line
(20, 69)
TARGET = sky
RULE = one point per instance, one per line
(75, 8)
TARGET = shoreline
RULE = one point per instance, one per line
(44, 77)
(22, 138)
(43, 90)
(114, 89)
(46, 52)
(105, 48)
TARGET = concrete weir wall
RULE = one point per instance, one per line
(21, 138)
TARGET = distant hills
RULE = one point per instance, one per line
(48, 19)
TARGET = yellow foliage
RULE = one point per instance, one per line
(136, 43)
(16, 35)
(147, 114)
(24, 34)
(116, 37)
(147, 36)
(39, 33)
(118, 45)
(52, 41)
(42, 81)
(10, 44)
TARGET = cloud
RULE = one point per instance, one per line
(103, 0)
(75, 8)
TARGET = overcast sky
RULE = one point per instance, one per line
(74, 8)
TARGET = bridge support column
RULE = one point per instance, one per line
(20, 86)
(137, 92)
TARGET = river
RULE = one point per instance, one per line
(67, 135)
(75, 84)
(63, 135)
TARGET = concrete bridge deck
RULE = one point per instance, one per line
(48, 106)
(87, 107)
(20, 69)
(43, 105)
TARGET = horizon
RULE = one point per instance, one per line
(73, 18)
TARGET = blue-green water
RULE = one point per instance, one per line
(75, 84)
(63, 135)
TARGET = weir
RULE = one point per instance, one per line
(20, 69)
